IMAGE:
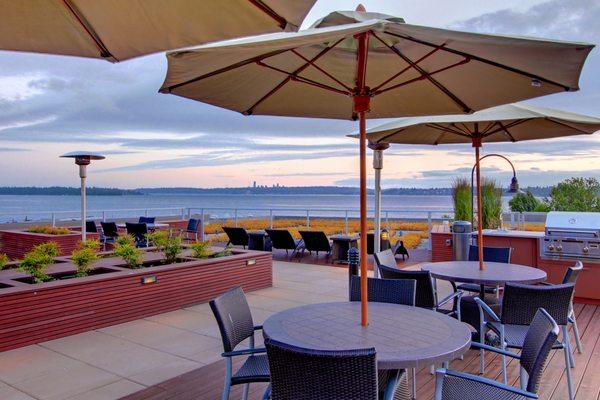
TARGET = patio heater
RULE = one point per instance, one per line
(512, 189)
(378, 149)
(83, 159)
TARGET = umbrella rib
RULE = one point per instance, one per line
(282, 22)
(104, 52)
(463, 128)
(290, 76)
(376, 88)
(506, 127)
(428, 76)
(566, 125)
(448, 130)
(483, 60)
(322, 70)
(302, 79)
(385, 137)
(489, 127)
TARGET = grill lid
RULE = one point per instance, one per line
(576, 221)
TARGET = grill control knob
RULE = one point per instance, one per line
(558, 247)
(585, 249)
(550, 247)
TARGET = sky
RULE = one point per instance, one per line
(50, 105)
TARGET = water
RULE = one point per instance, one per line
(20, 208)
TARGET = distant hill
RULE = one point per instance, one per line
(65, 191)
(282, 190)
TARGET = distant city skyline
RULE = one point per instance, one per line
(50, 105)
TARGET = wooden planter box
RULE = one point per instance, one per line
(15, 243)
(33, 313)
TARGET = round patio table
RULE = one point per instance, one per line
(494, 274)
(403, 336)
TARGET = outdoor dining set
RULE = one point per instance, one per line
(320, 351)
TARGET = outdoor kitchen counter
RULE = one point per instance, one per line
(526, 251)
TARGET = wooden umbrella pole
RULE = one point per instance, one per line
(477, 145)
(361, 107)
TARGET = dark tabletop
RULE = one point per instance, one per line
(257, 233)
(344, 238)
(493, 274)
(403, 336)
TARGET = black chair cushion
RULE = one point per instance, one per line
(254, 369)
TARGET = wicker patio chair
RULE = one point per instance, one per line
(315, 241)
(519, 306)
(139, 232)
(110, 233)
(306, 374)
(571, 275)
(490, 254)
(237, 236)
(395, 291)
(539, 339)
(283, 239)
(235, 322)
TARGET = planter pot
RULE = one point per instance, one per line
(15, 243)
(33, 313)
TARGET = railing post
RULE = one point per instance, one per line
(429, 226)
(146, 212)
(346, 222)
(183, 214)
(189, 213)
(270, 218)
(53, 219)
(307, 219)
(387, 220)
(235, 218)
(202, 225)
(103, 216)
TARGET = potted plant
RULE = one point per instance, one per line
(85, 256)
(49, 230)
(126, 249)
(200, 249)
(38, 259)
(170, 246)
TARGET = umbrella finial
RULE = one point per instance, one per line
(361, 8)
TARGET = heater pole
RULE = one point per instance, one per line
(378, 149)
(82, 175)
(477, 145)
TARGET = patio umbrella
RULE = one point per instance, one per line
(322, 72)
(507, 123)
(117, 30)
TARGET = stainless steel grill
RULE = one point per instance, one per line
(572, 234)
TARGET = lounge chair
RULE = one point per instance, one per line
(315, 241)
(147, 220)
(384, 244)
(110, 233)
(306, 374)
(191, 231)
(90, 227)
(541, 334)
(520, 304)
(139, 232)
(283, 239)
(235, 322)
(237, 236)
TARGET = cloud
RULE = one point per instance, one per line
(11, 149)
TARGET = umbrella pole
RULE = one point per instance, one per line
(361, 107)
(477, 145)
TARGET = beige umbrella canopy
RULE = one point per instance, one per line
(507, 123)
(352, 63)
(117, 30)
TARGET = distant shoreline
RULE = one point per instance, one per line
(259, 190)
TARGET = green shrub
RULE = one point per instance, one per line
(49, 230)
(461, 197)
(575, 194)
(83, 259)
(200, 249)
(524, 202)
(3, 261)
(226, 251)
(170, 246)
(126, 249)
(38, 259)
(491, 204)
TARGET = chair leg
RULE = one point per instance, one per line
(228, 372)
(567, 351)
(245, 391)
(503, 345)
(576, 333)
(414, 383)
(482, 341)
(522, 378)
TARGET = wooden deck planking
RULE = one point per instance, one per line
(206, 383)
